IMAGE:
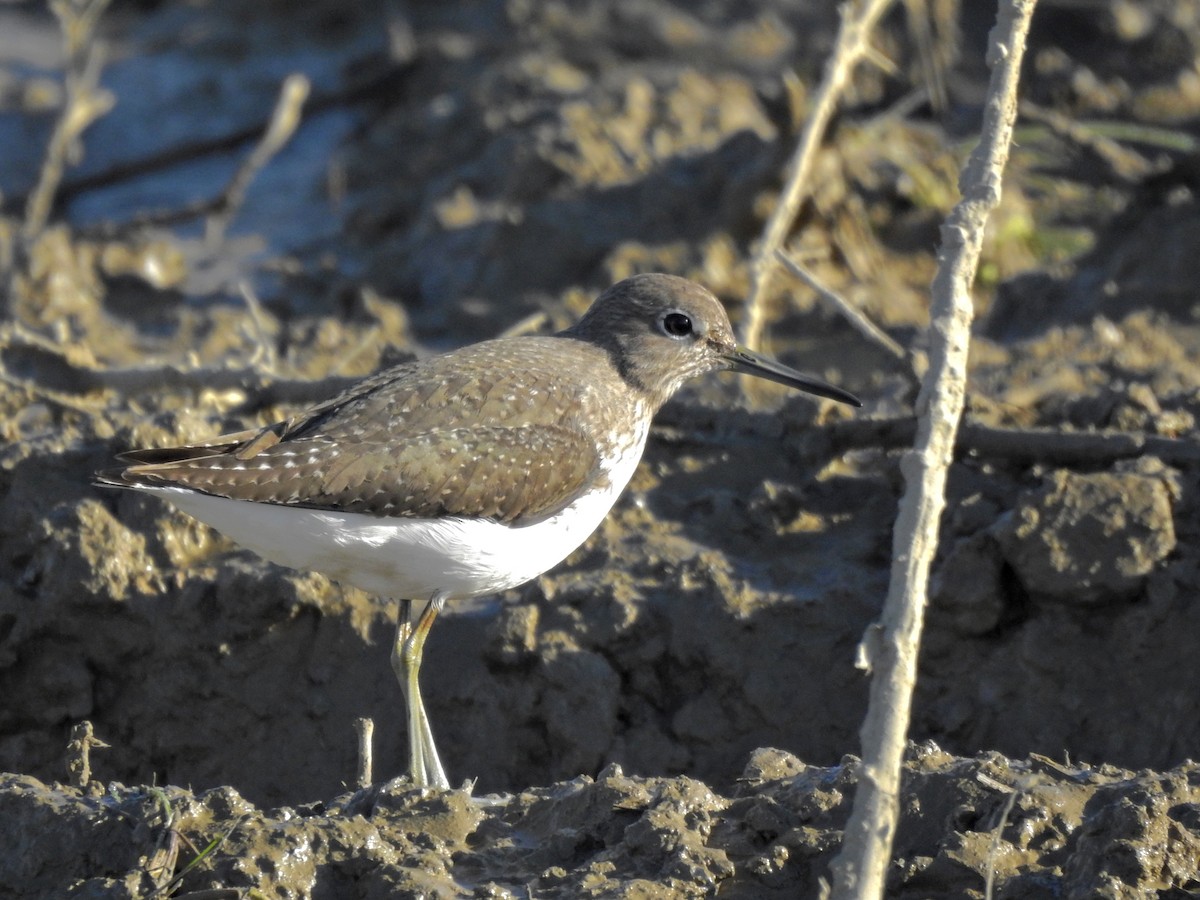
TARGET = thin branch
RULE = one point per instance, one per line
(85, 102)
(284, 121)
(356, 90)
(79, 749)
(860, 871)
(364, 729)
(931, 57)
(1126, 163)
(910, 364)
(221, 209)
(264, 357)
(858, 19)
(46, 363)
(1019, 445)
(989, 881)
(209, 849)
(531, 324)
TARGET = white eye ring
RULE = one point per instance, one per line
(676, 324)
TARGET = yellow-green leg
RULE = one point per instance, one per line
(424, 766)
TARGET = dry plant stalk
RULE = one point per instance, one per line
(85, 102)
(861, 868)
(909, 365)
(1125, 162)
(285, 119)
(858, 19)
(79, 750)
(364, 730)
(1050, 446)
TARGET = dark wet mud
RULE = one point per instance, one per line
(465, 168)
(1036, 828)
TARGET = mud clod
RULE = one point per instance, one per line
(1089, 538)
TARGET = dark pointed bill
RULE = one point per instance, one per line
(750, 363)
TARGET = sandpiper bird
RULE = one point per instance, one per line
(465, 474)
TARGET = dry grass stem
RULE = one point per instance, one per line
(284, 120)
(364, 730)
(858, 19)
(911, 366)
(50, 365)
(1023, 445)
(989, 884)
(1126, 164)
(860, 871)
(264, 357)
(79, 750)
(85, 103)
(933, 27)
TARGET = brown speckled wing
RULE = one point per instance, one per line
(506, 474)
(491, 431)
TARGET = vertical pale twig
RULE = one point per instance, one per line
(264, 358)
(84, 103)
(284, 120)
(858, 18)
(989, 878)
(79, 750)
(364, 730)
(861, 868)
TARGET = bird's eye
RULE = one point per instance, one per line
(676, 325)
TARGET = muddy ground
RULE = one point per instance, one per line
(674, 710)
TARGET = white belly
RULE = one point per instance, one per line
(406, 558)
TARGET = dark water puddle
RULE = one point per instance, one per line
(194, 90)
